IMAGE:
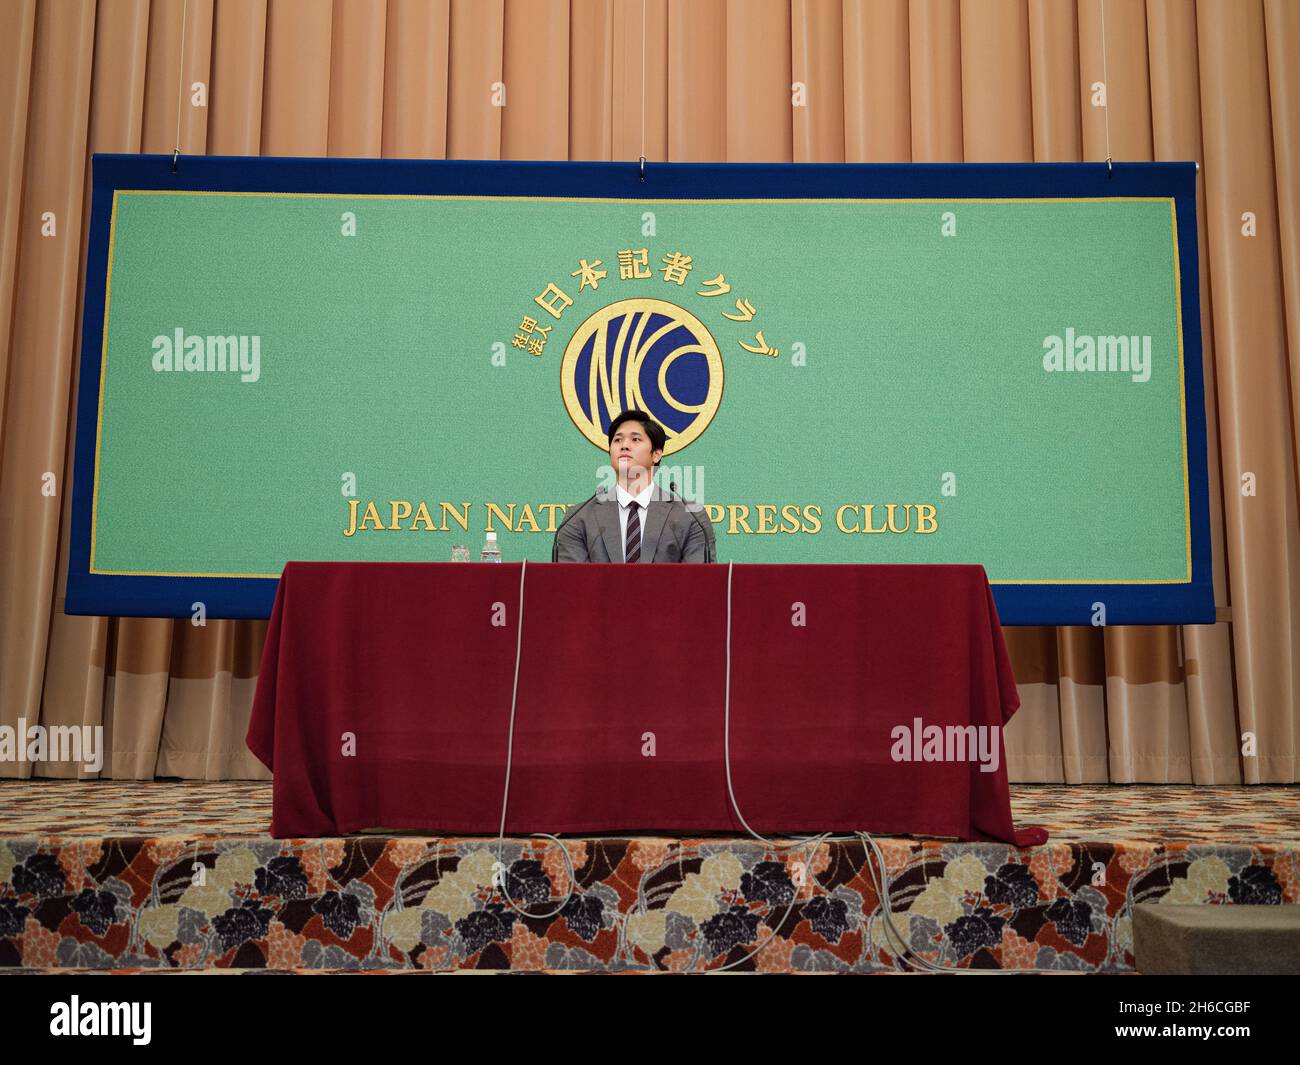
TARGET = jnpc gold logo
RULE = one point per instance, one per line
(642, 352)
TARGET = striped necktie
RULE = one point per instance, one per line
(632, 548)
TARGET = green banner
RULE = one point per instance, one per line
(295, 375)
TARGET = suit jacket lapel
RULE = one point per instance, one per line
(607, 519)
(656, 515)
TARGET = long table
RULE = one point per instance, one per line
(395, 696)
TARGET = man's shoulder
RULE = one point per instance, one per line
(576, 532)
(584, 507)
(678, 502)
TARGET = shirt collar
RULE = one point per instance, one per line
(643, 499)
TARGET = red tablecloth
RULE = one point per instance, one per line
(416, 662)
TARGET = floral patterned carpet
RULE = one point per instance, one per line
(184, 876)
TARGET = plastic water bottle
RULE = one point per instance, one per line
(491, 549)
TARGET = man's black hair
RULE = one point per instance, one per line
(652, 428)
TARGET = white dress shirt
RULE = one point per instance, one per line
(625, 499)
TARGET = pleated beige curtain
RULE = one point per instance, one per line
(681, 80)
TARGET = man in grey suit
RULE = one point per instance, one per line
(638, 521)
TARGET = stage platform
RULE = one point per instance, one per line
(184, 876)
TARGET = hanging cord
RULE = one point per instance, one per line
(180, 83)
(1105, 81)
(642, 90)
(813, 842)
(901, 949)
(499, 880)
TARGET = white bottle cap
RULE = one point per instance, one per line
(491, 536)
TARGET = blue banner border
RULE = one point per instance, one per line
(1017, 604)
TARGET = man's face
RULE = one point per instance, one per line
(631, 453)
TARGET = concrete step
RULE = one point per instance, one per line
(1229, 939)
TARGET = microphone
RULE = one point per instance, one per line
(571, 513)
(710, 546)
